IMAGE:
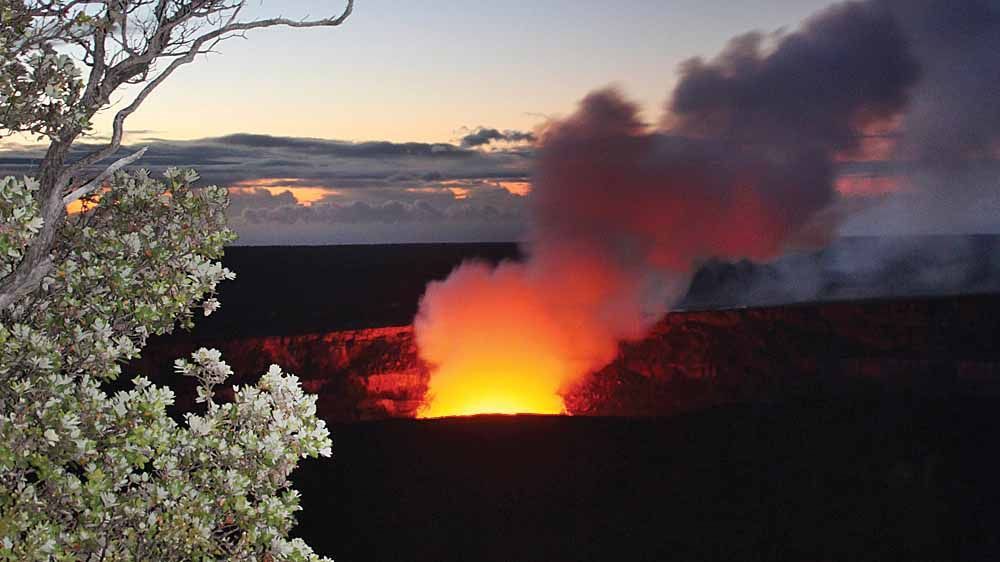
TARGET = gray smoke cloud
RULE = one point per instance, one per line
(947, 159)
(955, 113)
(854, 268)
(622, 215)
(945, 163)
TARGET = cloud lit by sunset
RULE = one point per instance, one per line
(452, 161)
(520, 188)
(304, 195)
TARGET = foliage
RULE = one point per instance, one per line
(40, 89)
(76, 463)
(19, 220)
(87, 473)
(84, 473)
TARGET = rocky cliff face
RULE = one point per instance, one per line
(690, 360)
(694, 359)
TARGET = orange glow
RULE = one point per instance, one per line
(305, 195)
(86, 204)
(867, 185)
(451, 187)
(459, 192)
(514, 339)
(459, 189)
(521, 188)
(494, 344)
(75, 207)
(485, 392)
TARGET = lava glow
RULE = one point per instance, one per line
(483, 392)
(500, 349)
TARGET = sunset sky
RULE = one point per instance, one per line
(413, 121)
(422, 70)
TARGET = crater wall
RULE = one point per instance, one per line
(690, 360)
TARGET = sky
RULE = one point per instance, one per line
(421, 70)
(415, 121)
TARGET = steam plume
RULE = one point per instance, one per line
(741, 166)
(948, 153)
(943, 159)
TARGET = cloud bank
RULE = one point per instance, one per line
(288, 190)
(933, 168)
(483, 136)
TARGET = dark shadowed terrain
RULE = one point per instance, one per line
(854, 431)
(285, 290)
(290, 290)
(858, 476)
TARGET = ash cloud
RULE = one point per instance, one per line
(744, 161)
(816, 89)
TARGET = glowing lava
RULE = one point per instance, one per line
(486, 393)
(497, 349)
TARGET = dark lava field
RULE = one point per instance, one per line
(857, 476)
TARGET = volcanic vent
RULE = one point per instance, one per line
(759, 152)
(741, 166)
(688, 360)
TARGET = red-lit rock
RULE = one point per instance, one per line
(689, 360)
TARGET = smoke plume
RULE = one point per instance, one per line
(742, 166)
(943, 159)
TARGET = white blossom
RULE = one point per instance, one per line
(211, 305)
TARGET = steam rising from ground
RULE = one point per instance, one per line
(742, 166)
(947, 153)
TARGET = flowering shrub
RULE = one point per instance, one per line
(19, 220)
(90, 475)
(39, 89)
(86, 474)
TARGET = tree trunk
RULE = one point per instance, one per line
(36, 263)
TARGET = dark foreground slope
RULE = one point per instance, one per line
(871, 476)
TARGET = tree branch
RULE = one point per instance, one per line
(54, 175)
(37, 262)
(24, 281)
(107, 173)
(118, 124)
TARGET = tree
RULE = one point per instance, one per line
(85, 474)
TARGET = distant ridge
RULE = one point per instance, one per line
(284, 290)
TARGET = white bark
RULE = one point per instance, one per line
(95, 183)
